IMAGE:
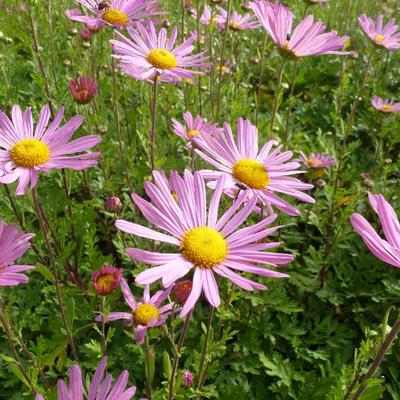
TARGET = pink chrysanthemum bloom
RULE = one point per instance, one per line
(100, 388)
(83, 89)
(118, 13)
(209, 17)
(307, 39)
(153, 55)
(386, 250)
(318, 160)
(386, 36)
(147, 313)
(194, 127)
(13, 244)
(25, 151)
(106, 279)
(259, 174)
(386, 106)
(236, 22)
(209, 244)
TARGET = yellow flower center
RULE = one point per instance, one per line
(379, 38)
(314, 163)
(175, 196)
(144, 313)
(235, 25)
(386, 107)
(28, 153)
(252, 173)
(161, 58)
(193, 132)
(114, 16)
(105, 282)
(204, 247)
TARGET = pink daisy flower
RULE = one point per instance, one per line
(13, 244)
(194, 127)
(209, 16)
(386, 106)
(317, 160)
(307, 39)
(118, 13)
(25, 151)
(152, 55)
(258, 173)
(386, 36)
(100, 388)
(209, 244)
(386, 250)
(147, 313)
(236, 22)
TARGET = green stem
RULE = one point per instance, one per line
(153, 125)
(292, 86)
(278, 95)
(147, 367)
(261, 76)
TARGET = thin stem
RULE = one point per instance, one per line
(44, 229)
(177, 355)
(289, 112)
(261, 77)
(13, 350)
(118, 123)
(204, 352)
(222, 56)
(379, 358)
(103, 326)
(147, 367)
(278, 93)
(153, 124)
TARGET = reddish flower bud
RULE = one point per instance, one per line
(85, 34)
(83, 89)
(106, 280)
(181, 291)
(187, 378)
(113, 203)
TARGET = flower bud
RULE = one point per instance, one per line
(83, 89)
(113, 204)
(187, 378)
(106, 280)
(181, 291)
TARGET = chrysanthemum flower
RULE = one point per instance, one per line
(152, 55)
(307, 39)
(25, 151)
(106, 279)
(236, 22)
(208, 17)
(386, 106)
(259, 174)
(100, 388)
(118, 13)
(205, 243)
(83, 89)
(147, 313)
(13, 244)
(318, 160)
(194, 127)
(386, 36)
(386, 250)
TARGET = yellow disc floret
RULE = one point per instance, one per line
(235, 25)
(379, 38)
(28, 153)
(204, 247)
(193, 132)
(114, 17)
(252, 173)
(144, 313)
(162, 59)
(386, 107)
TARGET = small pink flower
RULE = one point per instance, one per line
(307, 39)
(236, 21)
(83, 89)
(146, 313)
(387, 36)
(194, 127)
(386, 106)
(25, 150)
(386, 250)
(317, 160)
(148, 54)
(106, 280)
(13, 244)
